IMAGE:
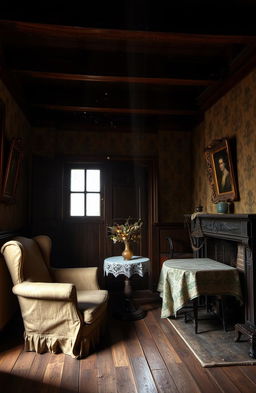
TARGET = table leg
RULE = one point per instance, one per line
(195, 310)
(127, 288)
(250, 332)
(129, 312)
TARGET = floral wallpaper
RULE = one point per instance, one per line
(14, 216)
(59, 142)
(175, 177)
(173, 150)
(183, 182)
(233, 116)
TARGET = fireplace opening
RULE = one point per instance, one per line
(230, 253)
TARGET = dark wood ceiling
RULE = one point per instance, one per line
(130, 70)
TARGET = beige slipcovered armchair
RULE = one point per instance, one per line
(62, 309)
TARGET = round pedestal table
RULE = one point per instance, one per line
(117, 266)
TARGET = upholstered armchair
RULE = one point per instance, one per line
(62, 309)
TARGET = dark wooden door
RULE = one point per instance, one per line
(80, 241)
(77, 242)
(126, 197)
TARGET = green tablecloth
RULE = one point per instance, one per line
(182, 280)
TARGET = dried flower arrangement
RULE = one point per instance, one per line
(129, 232)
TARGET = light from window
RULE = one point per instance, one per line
(85, 193)
(77, 180)
(93, 180)
(77, 204)
(93, 204)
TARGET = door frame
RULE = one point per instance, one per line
(152, 188)
(151, 163)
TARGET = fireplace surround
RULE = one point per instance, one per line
(231, 239)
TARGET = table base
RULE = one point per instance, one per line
(192, 314)
(128, 311)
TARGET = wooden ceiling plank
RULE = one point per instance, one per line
(13, 86)
(171, 125)
(46, 31)
(115, 79)
(239, 68)
(140, 111)
(188, 60)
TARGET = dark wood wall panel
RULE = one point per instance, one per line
(83, 241)
(81, 244)
(124, 202)
(181, 245)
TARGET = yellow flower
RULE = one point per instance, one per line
(126, 231)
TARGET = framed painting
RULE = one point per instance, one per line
(2, 122)
(220, 171)
(12, 171)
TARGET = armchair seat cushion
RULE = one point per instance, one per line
(91, 304)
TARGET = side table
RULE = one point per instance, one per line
(117, 266)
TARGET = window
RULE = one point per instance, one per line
(85, 193)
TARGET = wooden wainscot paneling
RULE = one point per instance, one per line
(178, 233)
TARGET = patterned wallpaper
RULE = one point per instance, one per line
(173, 150)
(14, 216)
(233, 116)
(58, 142)
(175, 176)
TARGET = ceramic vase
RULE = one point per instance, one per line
(222, 207)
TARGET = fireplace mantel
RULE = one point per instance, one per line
(235, 227)
(222, 236)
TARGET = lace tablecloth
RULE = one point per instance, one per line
(117, 265)
(182, 280)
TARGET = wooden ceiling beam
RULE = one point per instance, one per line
(13, 86)
(199, 66)
(115, 79)
(239, 68)
(182, 123)
(138, 111)
(53, 33)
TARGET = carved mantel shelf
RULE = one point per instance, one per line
(235, 227)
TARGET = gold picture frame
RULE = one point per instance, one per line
(220, 171)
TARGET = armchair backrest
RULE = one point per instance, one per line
(25, 261)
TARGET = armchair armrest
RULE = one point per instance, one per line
(84, 278)
(45, 291)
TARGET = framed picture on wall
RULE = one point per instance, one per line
(220, 171)
(12, 171)
(2, 122)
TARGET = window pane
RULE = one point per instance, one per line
(77, 204)
(93, 180)
(93, 204)
(77, 180)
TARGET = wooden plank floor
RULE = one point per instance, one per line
(145, 356)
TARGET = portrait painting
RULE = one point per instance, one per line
(220, 171)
